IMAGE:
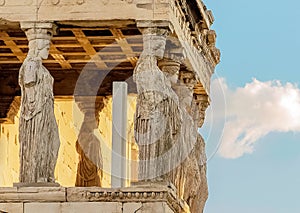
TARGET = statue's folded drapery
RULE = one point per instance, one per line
(39, 139)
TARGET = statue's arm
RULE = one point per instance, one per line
(30, 73)
(29, 80)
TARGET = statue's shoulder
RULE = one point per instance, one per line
(31, 64)
(30, 68)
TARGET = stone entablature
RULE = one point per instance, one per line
(193, 33)
(155, 197)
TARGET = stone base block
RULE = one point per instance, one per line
(36, 185)
(152, 198)
(11, 207)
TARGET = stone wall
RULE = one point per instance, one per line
(69, 119)
(154, 198)
(9, 157)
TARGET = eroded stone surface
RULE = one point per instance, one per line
(168, 116)
(132, 207)
(11, 207)
(155, 197)
(112, 207)
(74, 207)
(157, 112)
(42, 207)
(38, 131)
(31, 194)
(156, 207)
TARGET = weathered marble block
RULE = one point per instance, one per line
(32, 194)
(141, 198)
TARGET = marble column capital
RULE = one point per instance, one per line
(38, 30)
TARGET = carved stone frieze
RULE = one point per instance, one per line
(146, 195)
(203, 56)
(150, 192)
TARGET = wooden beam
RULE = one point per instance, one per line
(58, 56)
(77, 45)
(69, 61)
(11, 62)
(12, 45)
(83, 28)
(89, 49)
(126, 48)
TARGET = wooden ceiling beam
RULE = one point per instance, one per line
(13, 46)
(58, 56)
(126, 48)
(88, 47)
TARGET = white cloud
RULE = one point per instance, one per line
(253, 111)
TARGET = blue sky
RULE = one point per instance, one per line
(259, 40)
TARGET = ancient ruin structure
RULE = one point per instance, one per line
(163, 49)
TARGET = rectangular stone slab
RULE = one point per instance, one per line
(11, 207)
(32, 194)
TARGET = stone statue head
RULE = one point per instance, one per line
(39, 42)
(202, 104)
(154, 40)
(39, 48)
(171, 69)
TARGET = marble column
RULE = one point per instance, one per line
(119, 135)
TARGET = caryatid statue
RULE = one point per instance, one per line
(90, 165)
(196, 172)
(157, 117)
(38, 131)
(190, 177)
